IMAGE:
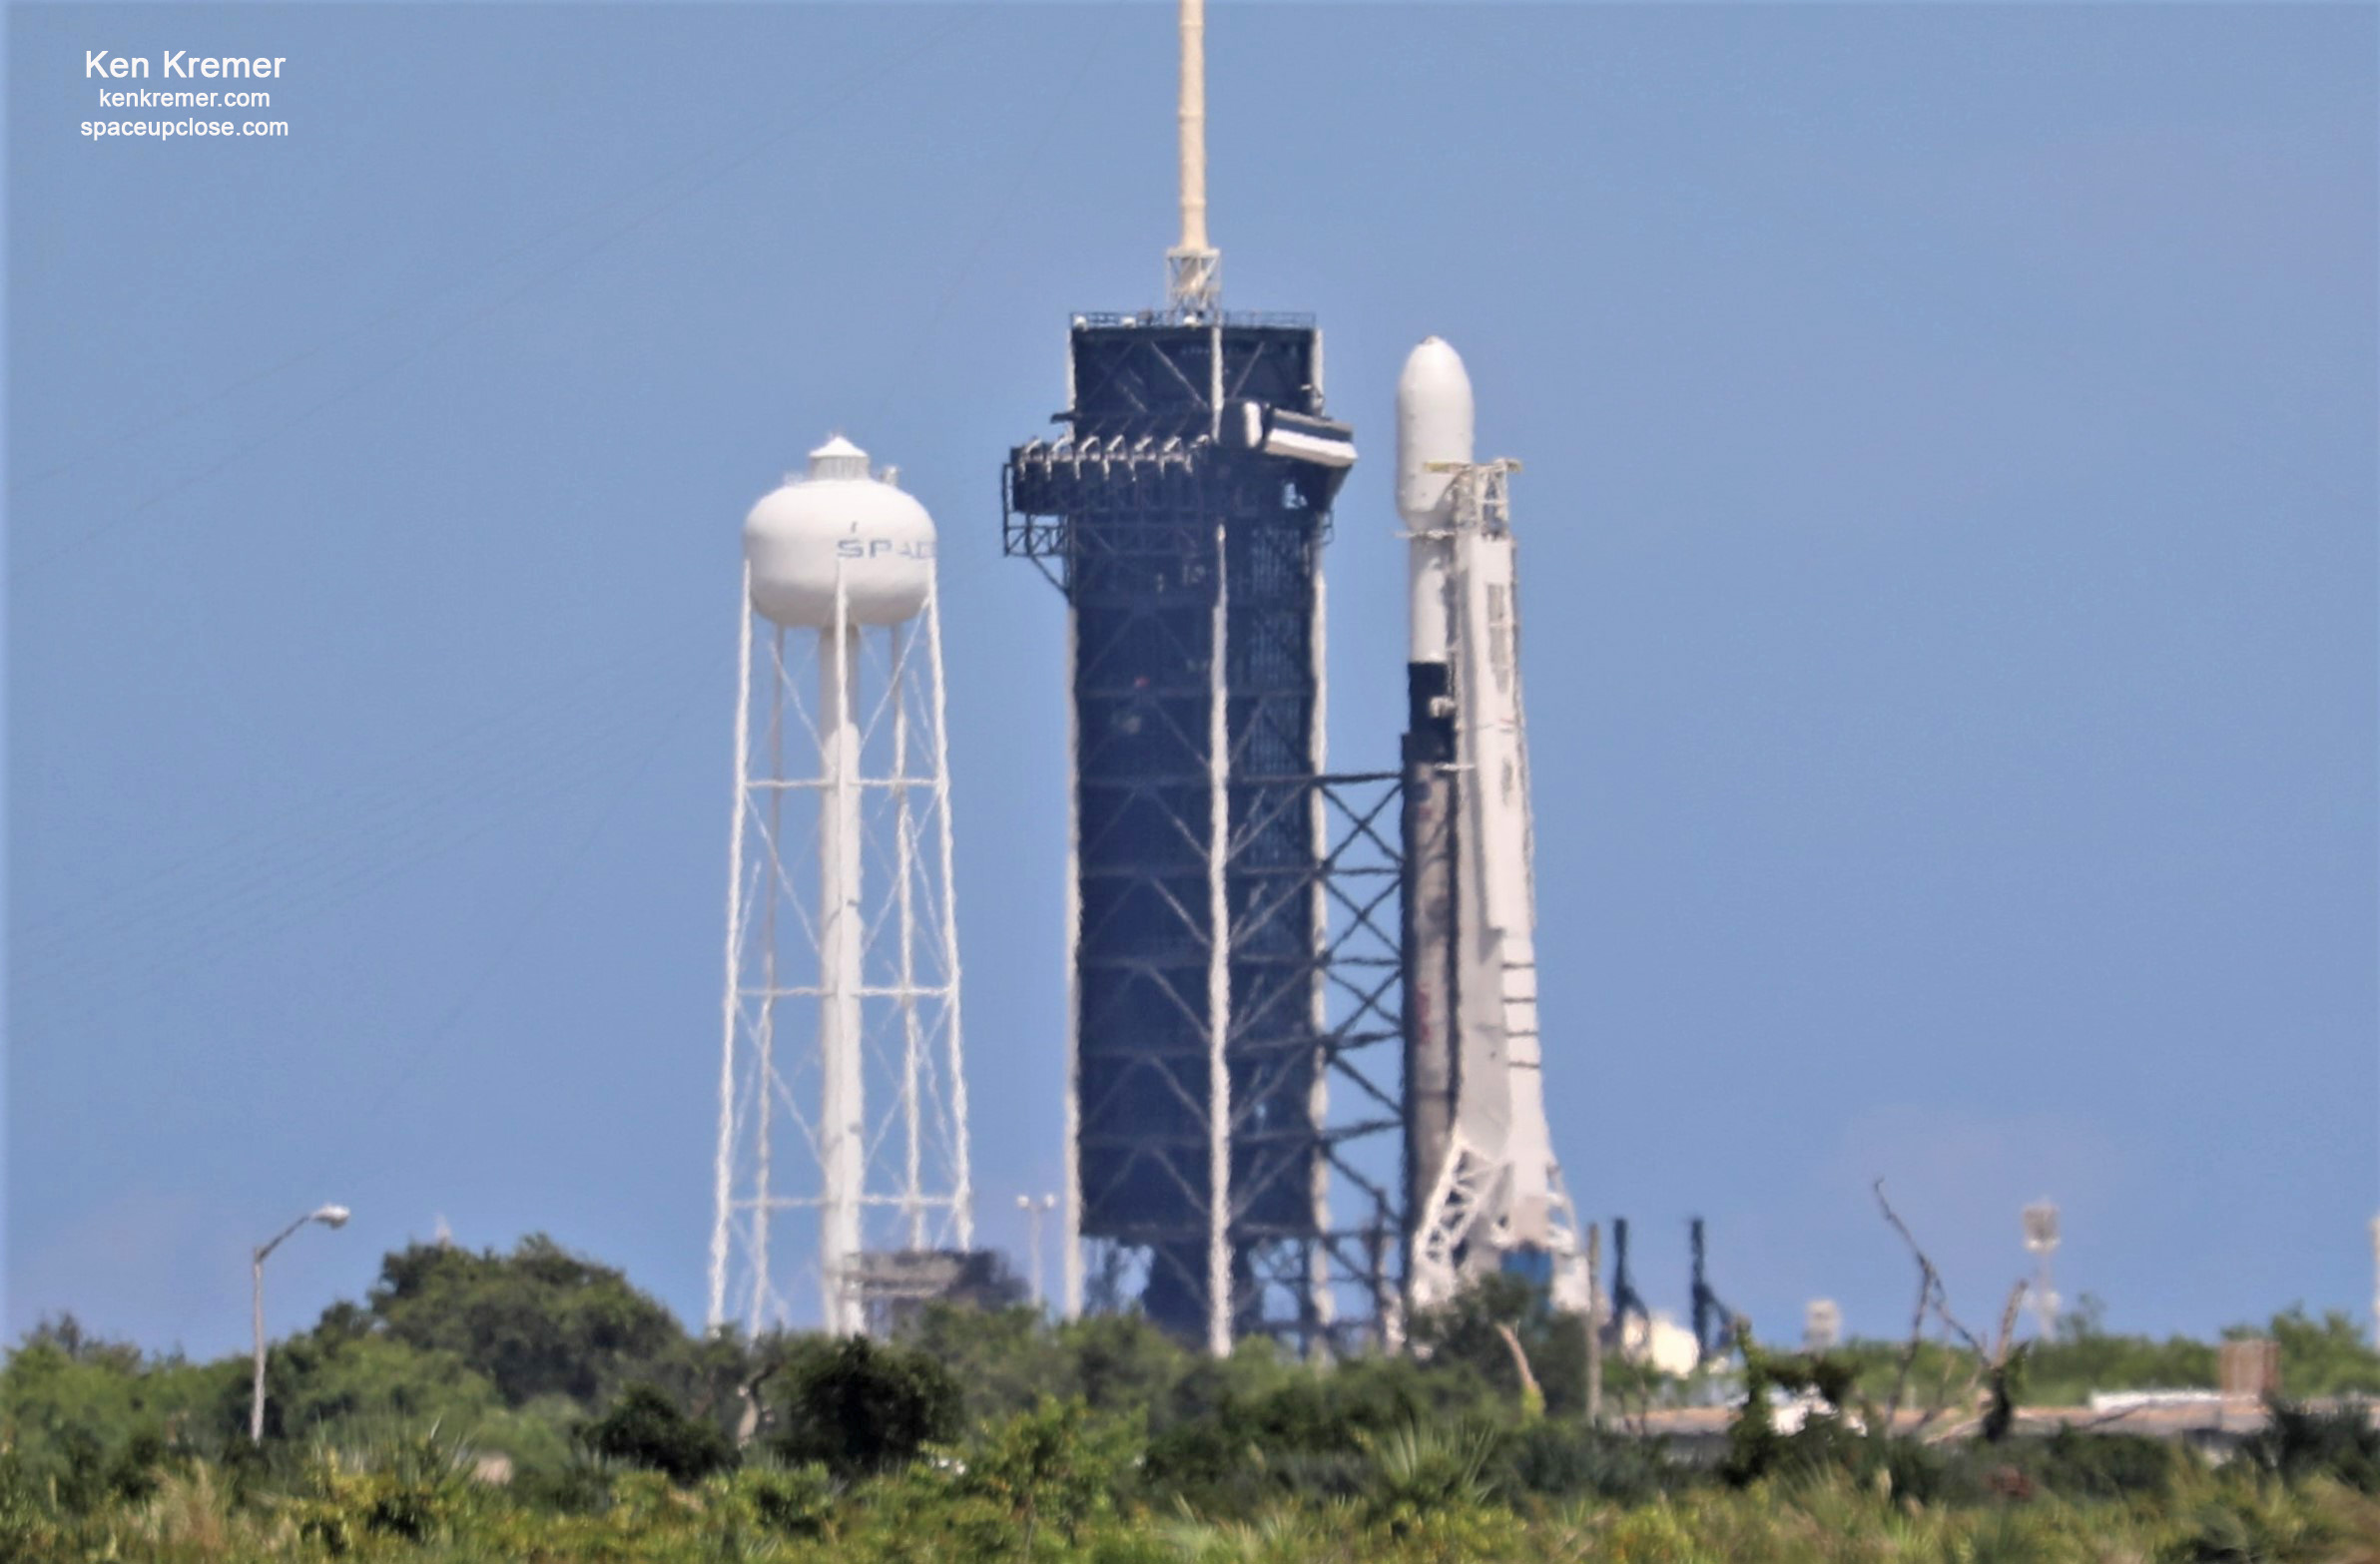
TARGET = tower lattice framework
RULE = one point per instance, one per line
(843, 1129)
(1233, 959)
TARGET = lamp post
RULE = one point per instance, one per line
(327, 1216)
(1033, 1213)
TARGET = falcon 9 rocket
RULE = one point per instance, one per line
(1483, 1188)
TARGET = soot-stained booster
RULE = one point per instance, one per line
(1483, 1188)
(1182, 510)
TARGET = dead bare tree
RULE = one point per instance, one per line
(749, 1392)
(1987, 1398)
(1929, 1285)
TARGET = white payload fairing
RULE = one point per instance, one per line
(1433, 438)
(1483, 1191)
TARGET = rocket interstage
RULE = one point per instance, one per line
(1484, 1191)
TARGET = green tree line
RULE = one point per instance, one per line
(535, 1404)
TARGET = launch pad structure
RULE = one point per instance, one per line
(1231, 920)
(1303, 1068)
(1304, 1077)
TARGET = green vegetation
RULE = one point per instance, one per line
(2321, 1357)
(857, 1409)
(533, 1405)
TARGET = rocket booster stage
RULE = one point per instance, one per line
(1433, 424)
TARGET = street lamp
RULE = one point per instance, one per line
(327, 1216)
(1033, 1213)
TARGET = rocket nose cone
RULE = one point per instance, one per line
(1433, 424)
(1433, 367)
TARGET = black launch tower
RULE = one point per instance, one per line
(1234, 961)
(1182, 511)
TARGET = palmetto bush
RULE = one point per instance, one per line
(1431, 1500)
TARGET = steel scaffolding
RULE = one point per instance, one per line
(1227, 891)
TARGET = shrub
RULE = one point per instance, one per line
(795, 1501)
(2240, 1526)
(1418, 1471)
(410, 1488)
(1755, 1447)
(2297, 1442)
(856, 1407)
(644, 1428)
(1564, 1460)
(1055, 1467)
(25, 1528)
(581, 1485)
(2081, 1465)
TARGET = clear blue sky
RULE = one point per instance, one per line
(1947, 541)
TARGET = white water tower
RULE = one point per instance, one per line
(2040, 1241)
(841, 1102)
(1822, 1325)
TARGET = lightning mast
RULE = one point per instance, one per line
(1193, 268)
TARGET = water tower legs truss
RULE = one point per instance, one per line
(843, 1106)
(1232, 945)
